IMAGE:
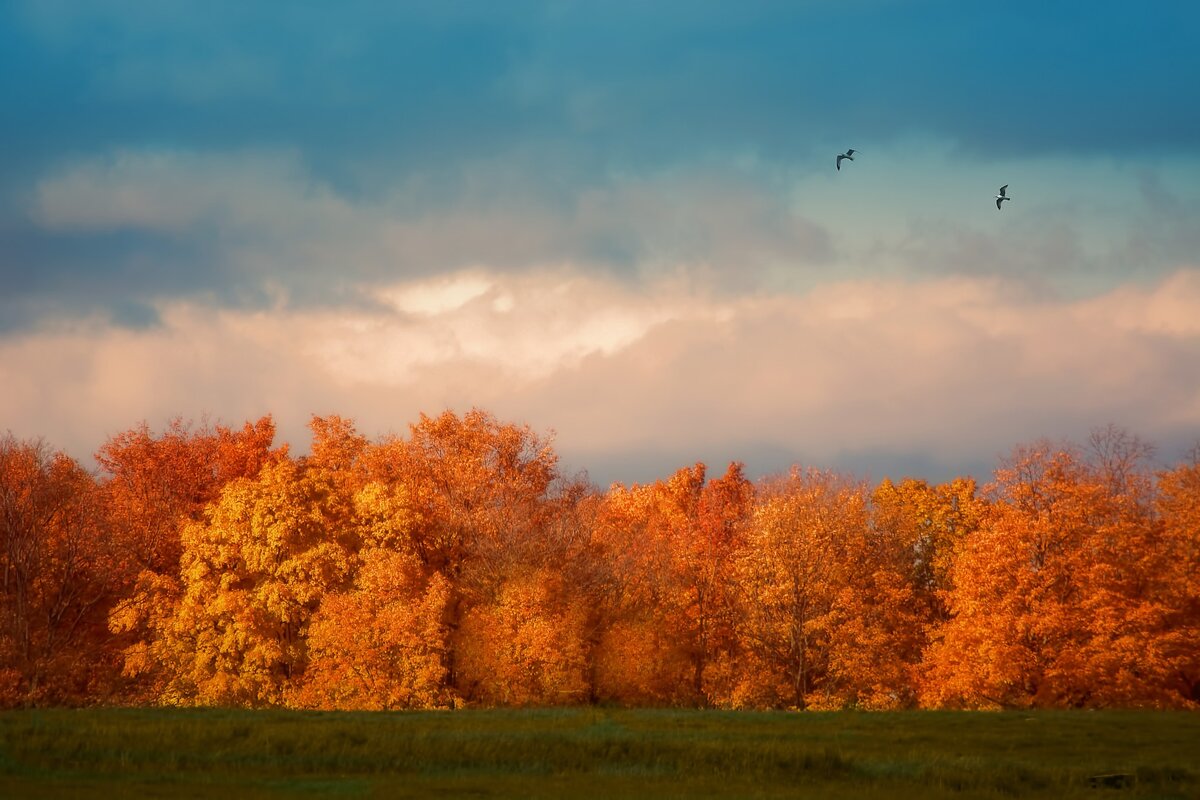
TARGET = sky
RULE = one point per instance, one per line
(619, 223)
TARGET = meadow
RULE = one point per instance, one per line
(595, 752)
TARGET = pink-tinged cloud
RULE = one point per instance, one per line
(639, 378)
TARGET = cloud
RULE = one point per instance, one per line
(264, 193)
(1080, 225)
(364, 91)
(253, 228)
(941, 375)
(523, 328)
(123, 233)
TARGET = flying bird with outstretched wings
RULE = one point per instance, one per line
(848, 154)
(1000, 198)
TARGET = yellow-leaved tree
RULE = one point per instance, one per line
(480, 498)
(381, 643)
(155, 484)
(930, 523)
(253, 573)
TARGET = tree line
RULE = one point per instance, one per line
(457, 566)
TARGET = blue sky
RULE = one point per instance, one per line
(620, 221)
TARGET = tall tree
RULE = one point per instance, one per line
(381, 644)
(670, 547)
(635, 655)
(704, 550)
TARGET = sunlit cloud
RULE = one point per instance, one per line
(959, 369)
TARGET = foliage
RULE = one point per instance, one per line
(1072, 593)
(253, 574)
(58, 573)
(382, 644)
(457, 566)
(154, 486)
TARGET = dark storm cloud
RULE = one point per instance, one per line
(55, 275)
(409, 84)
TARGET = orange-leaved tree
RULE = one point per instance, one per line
(826, 618)
(1178, 634)
(480, 496)
(154, 485)
(58, 577)
(1059, 598)
(527, 644)
(381, 644)
(669, 633)
(1017, 582)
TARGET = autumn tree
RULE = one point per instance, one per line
(253, 574)
(382, 642)
(155, 483)
(153, 486)
(633, 658)
(483, 497)
(930, 523)
(1177, 642)
(826, 607)
(527, 645)
(380, 645)
(528, 634)
(1062, 597)
(1017, 582)
(1130, 597)
(669, 637)
(58, 576)
(478, 486)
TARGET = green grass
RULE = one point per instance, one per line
(113, 753)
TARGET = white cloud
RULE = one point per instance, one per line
(437, 296)
(525, 326)
(954, 369)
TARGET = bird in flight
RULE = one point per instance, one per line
(848, 154)
(1000, 198)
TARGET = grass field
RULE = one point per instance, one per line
(588, 752)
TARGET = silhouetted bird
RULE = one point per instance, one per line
(848, 154)
(1000, 198)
